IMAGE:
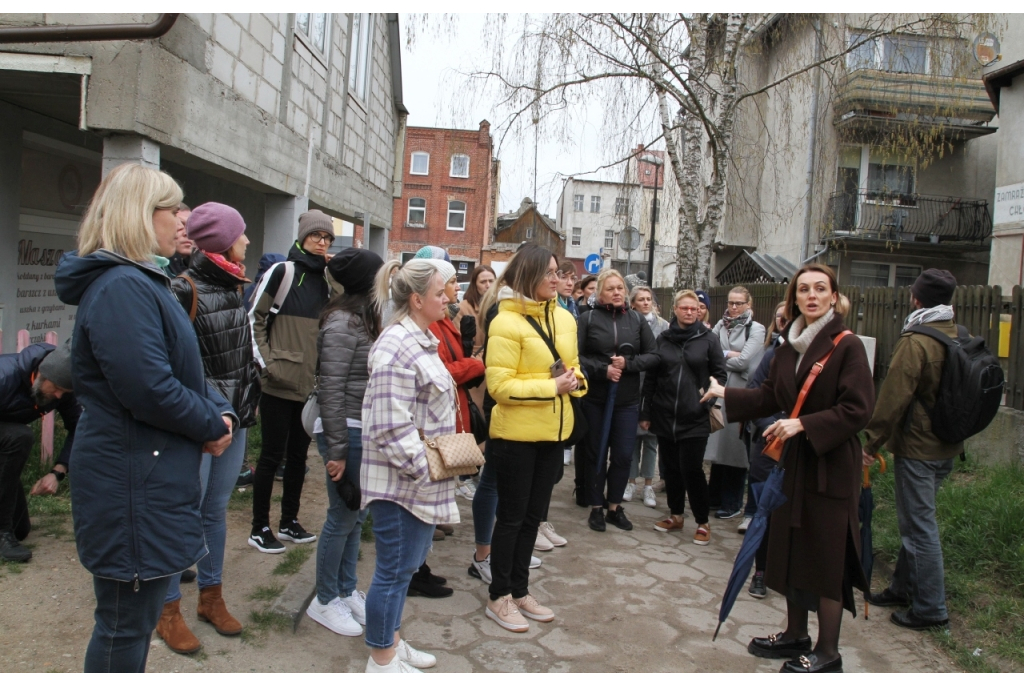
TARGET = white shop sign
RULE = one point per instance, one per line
(42, 241)
(1009, 205)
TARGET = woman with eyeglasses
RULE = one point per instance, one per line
(742, 341)
(687, 357)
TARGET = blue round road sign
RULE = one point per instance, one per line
(593, 263)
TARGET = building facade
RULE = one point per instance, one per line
(449, 194)
(272, 114)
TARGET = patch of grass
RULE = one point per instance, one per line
(12, 567)
(366, 534)
(276, 498)
(240, 499)
(262, 621)
(253, 443)
(266, 593)
(293, 560)
(979, 510)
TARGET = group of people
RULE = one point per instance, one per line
(171, 372)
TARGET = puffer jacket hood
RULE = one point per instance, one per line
(76, 273)
(222, 328)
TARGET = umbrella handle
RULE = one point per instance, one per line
(866, 482)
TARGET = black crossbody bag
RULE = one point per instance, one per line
(580, 427)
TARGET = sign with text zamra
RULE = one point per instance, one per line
(1009, 205)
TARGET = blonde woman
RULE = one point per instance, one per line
(149, 413)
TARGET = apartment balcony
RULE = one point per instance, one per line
(872, 101)
(903, 218)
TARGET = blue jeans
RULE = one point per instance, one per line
(621, 439)
(125, 621)
(919, 571)
(645, 457)
(337, 550)
(218, 476)
(485, 501)
(402, 543)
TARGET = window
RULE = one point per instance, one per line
(905, 54)
(577, 203)
(622, 206)
(889, 176)
(862, 56)
(609, 239)
(577, 232)
(529, 233)
(456, 216)
(460, 166)
(313, 27)
(359, 54)
(420, 164)
(595, 204)
(875, 275)
(417, 211)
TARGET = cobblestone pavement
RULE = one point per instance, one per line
(634, 601)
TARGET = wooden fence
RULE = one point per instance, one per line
(880, 313)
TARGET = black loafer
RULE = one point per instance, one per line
(420, 587)
(908, 619)
(774, 647)
(810, 664)
(887, 598)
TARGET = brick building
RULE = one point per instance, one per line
(448, 196)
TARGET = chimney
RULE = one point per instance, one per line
(485, 133)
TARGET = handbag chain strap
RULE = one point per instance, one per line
(813, 375)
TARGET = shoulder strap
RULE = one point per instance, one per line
(544, 336)
(195, 297)
(283, 287)
(813, 375)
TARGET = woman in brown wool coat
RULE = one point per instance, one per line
(814, 542)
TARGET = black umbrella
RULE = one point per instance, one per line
(865, 509)
(628, 351)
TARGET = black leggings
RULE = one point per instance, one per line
(682, 468)
(284, 438)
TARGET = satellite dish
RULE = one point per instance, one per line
(986, 49)
(629, 239)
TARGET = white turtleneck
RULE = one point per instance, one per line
(801, 335)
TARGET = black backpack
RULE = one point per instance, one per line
(971, 388)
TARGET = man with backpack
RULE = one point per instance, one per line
(942, 386)
(285, 324)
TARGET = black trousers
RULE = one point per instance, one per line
(284, 438)
(15, 445)
(726, 486)
(682, 467)
(525, 473)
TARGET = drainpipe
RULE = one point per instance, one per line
(809, 188)
(80, 33)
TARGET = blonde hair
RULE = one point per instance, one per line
(120, 216)
(683, 294)
(742, 291)
(396, 290)
(603, 277)
(637, 289)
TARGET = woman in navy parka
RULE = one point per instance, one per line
(148, 413)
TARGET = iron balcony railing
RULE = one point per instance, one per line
(873, 215)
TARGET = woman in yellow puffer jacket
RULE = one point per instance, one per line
(530, 423)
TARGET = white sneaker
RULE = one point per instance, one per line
(357, 605)
(465, 488)
(627, 496)
(649, 499)
(567, 457)
(481, 569)
(553, 537)
(542, 544)
(534, 562)
(744, 524)
(335, 616)
(396, 666)
(414, 657)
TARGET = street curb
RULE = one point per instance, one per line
(297, 595)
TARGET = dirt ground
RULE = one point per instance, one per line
(625, 602)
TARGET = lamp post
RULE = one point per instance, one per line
(656, 163)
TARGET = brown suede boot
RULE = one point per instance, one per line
(173, 630)
(213, 610)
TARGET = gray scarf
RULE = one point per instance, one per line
(942, 312)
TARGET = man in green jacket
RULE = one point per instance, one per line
(922, 461)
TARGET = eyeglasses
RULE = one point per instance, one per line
(736, 304)
(322, 238)
(688, 310)
(566, 276)
(552, 274)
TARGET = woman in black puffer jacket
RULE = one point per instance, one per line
(688, 355)
(210, 290)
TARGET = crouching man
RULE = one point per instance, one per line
(33, 382)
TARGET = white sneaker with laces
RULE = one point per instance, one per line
(553, 537)
(414, 657)
(481, 569)
(534, 562)
(649, 499)
(464, 488)
(627, 496)
(357, 605)
(395, 666)
(335, 616)
(744, 524)
(542, 544)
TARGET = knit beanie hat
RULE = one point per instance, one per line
(214, 227)
(934, 287)
(314, 220)
(354, 269)
(704, 298)
(432, 252)
(444, 268)
(56, 366)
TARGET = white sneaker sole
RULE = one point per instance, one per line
(543, 618)
(253, 543)
(512, 627)
(297, 541)
(322, 621)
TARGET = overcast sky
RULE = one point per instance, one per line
(431, 83)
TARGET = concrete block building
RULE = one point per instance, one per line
(272, 114)
(448, 195)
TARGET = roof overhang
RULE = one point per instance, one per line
(51, 85)
(1001, 78)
